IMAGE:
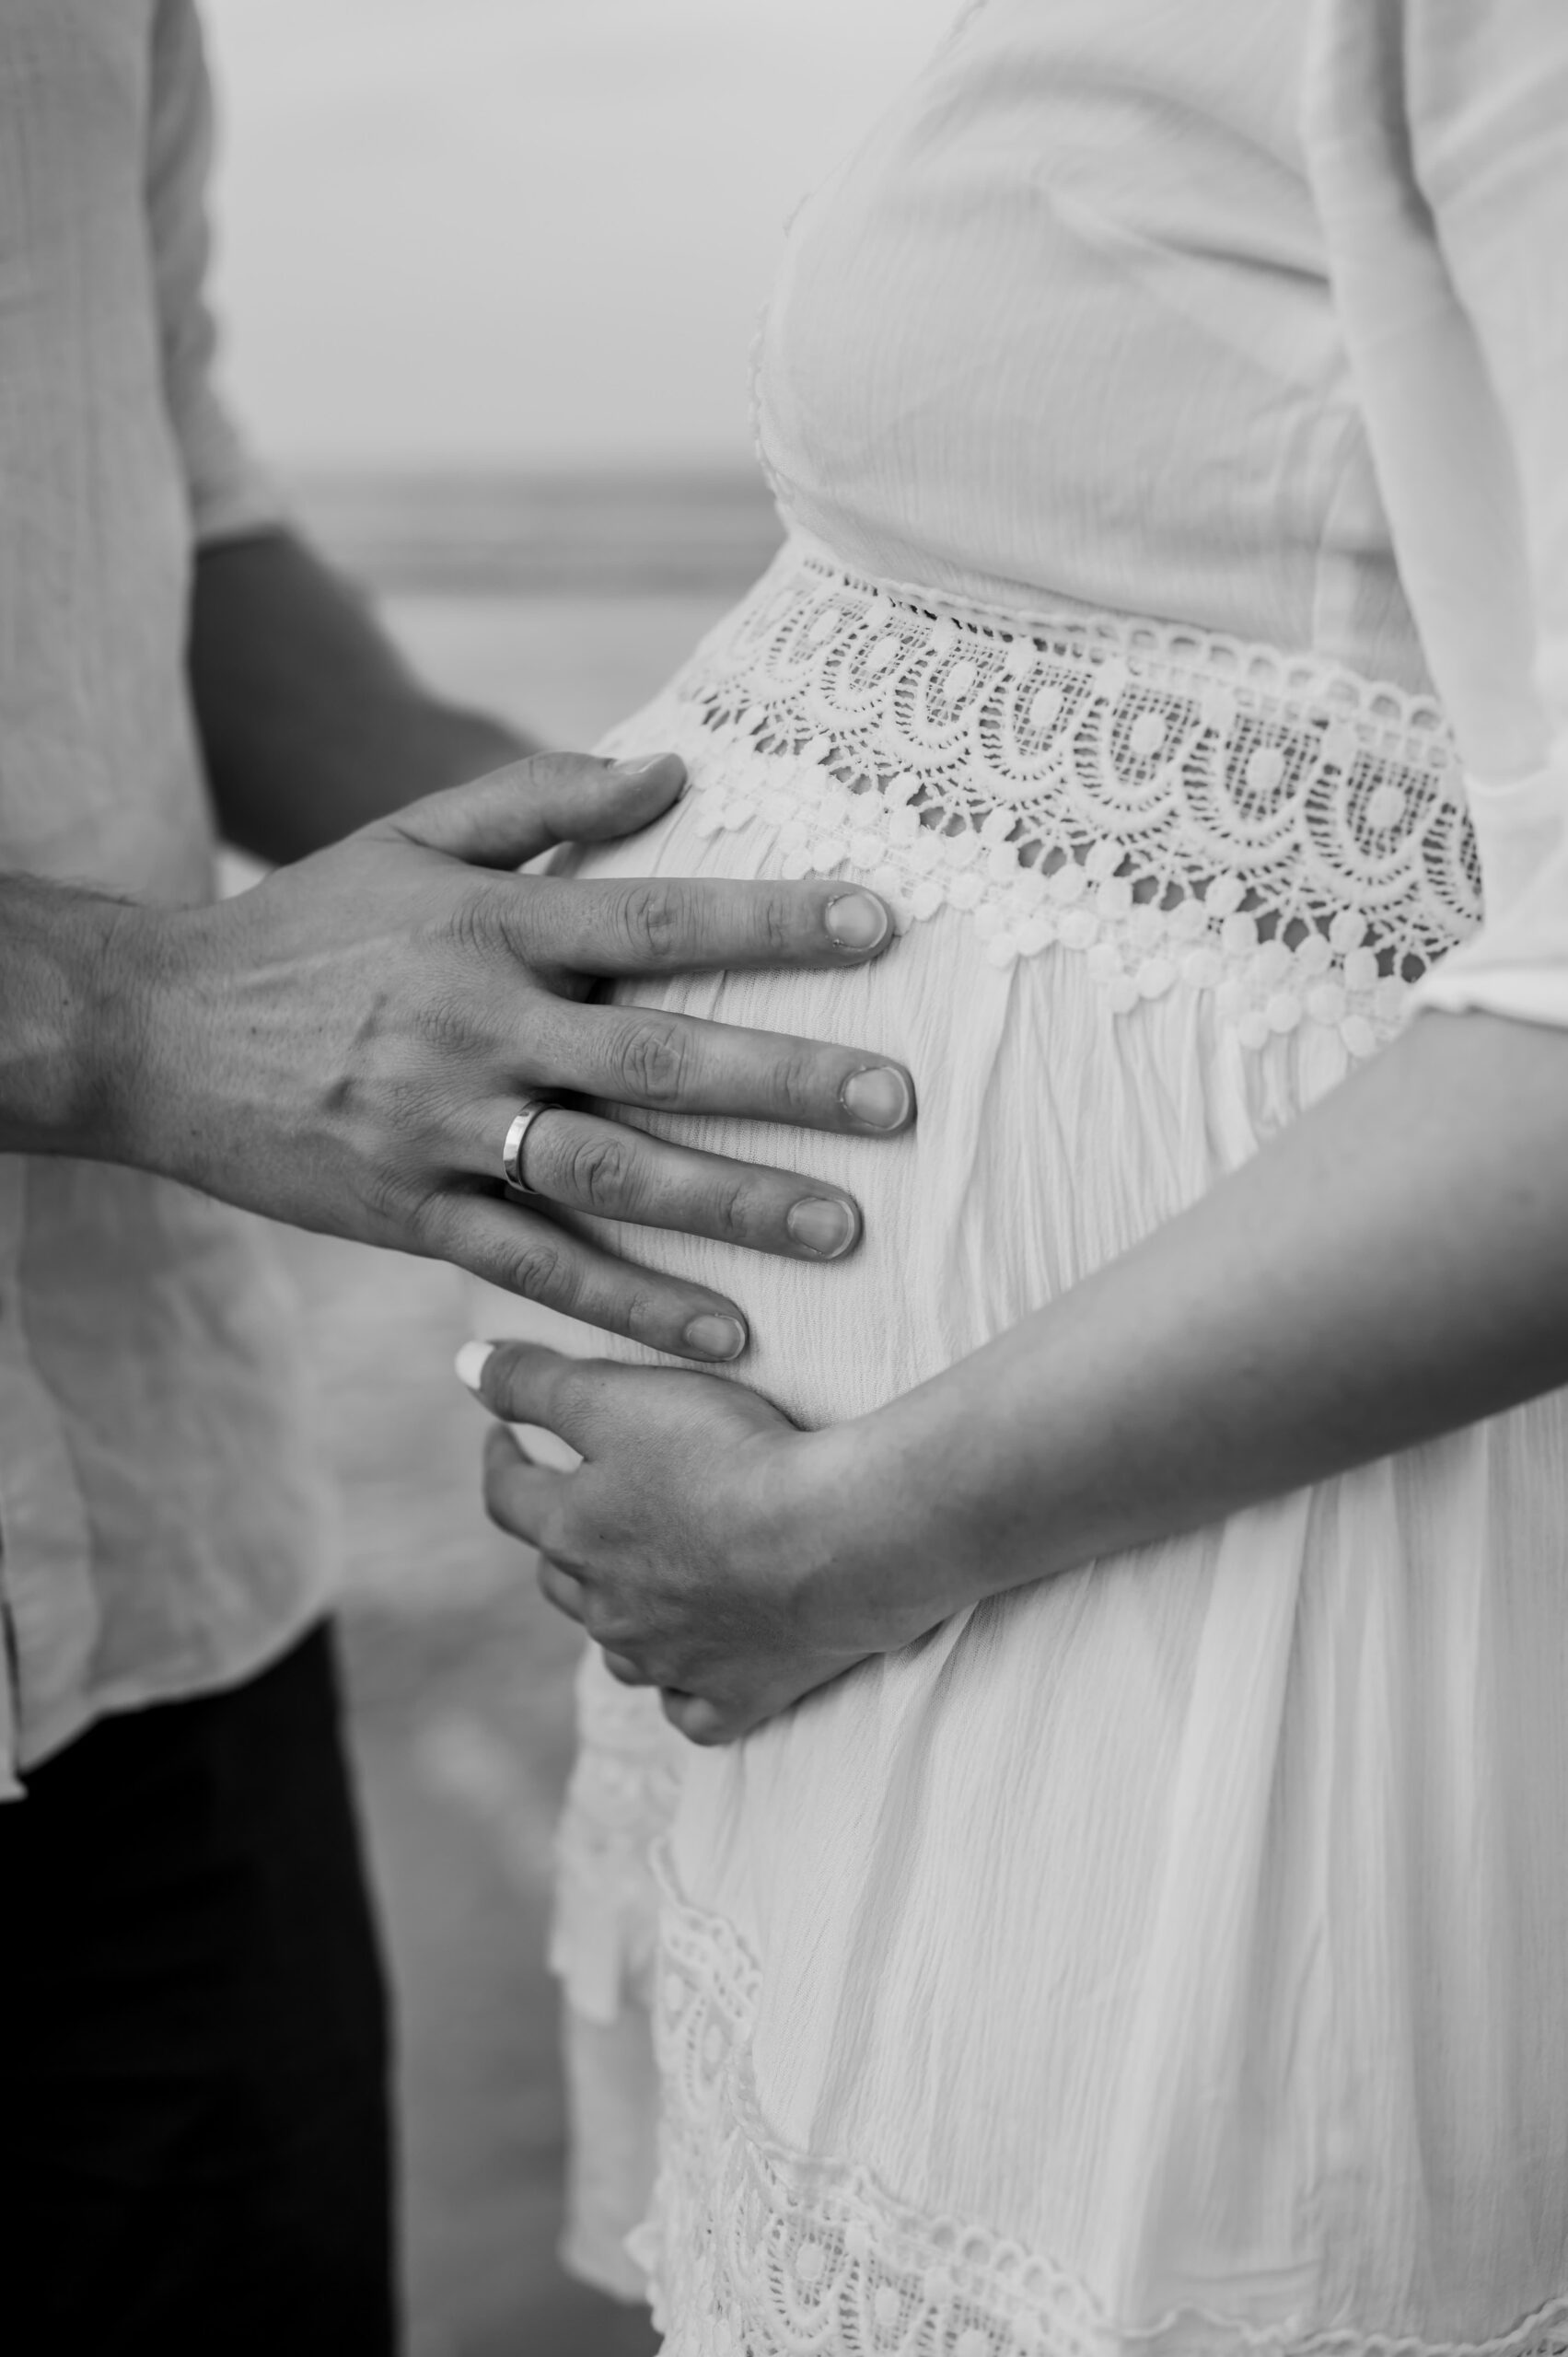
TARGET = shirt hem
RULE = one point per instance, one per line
(175, 1683)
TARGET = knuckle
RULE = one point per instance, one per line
(605, 1625)
(494, 1489)
(539, 1271)
(647, 1315)
(445, 1020)
(588, 1608)
(559, 1554)
(549, 1581)
(500, 1379)
(735, 1210)
(477, 926)
(778, 924)
(431, 1221)
(655, 920)
(655, 1062)
(596, 1171)
(554, 773)
(800, 1081)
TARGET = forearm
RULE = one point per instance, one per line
(1391, 1267)
(311, 724)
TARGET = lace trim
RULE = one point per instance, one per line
(1178, 807)
(620, 1801)
(759, 2251)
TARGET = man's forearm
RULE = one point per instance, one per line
(1391, 1267)
(311, 722)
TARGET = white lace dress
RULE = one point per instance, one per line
(1169, 1958)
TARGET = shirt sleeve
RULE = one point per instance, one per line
(229, 494)
(1436, 133)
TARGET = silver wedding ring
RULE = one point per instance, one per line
(523, 1120)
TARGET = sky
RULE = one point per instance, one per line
(522, 232)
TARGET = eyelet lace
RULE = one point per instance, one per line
(1178, 807)
(758, 2252)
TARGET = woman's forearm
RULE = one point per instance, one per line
(1394, 1265)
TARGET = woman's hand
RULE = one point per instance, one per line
(707, 1545)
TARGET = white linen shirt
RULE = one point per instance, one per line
(160, 1527)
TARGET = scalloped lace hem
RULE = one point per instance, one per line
(1179, 808)
(755, 2250)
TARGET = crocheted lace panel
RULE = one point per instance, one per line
(1177, 806)
(758, 2252)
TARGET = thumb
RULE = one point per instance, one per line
(514, 814)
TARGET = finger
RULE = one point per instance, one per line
(521, 1498)
(686, 925)
(624, 1670)
(699, 1720)
(524, 1383)
(559, 1589)
(516, 812)
(526, 1253)
(587, 1163)
(677, 1064)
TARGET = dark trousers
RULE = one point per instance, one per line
(193, 2119)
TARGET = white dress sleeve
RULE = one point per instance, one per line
(1436, 134)
(229, 494)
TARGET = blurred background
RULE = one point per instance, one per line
(489, 272)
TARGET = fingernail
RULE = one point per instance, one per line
(635, 772)
(470, 1363)
(822, 1225)
(879, 1097)
(856, 921)
(712, 1337)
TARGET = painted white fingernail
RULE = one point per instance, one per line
(635, 773)
(470, 1363)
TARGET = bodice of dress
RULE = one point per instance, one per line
(1062, 330)
(1246, 316)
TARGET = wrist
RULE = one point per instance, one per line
(70, 989)
(859, 1535)
(136, 1043)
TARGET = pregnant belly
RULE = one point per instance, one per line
(1051, 1135)
(1136, 941)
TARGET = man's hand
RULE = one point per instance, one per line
(344, 1046)
(710, 1547)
